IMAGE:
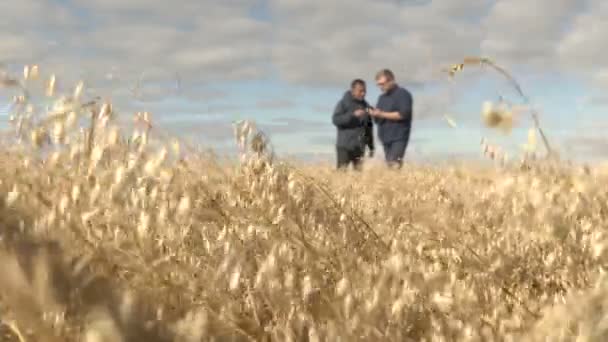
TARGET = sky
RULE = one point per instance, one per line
(286, 63)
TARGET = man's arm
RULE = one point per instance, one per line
(395, 116)
(343, 118)
(372, 111)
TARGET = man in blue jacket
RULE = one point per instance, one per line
(393, 117)
(354, 126)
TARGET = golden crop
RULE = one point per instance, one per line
(110, 236)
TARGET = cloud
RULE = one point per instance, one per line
(202, 40)
(325, 108)
(525, 32)
(201, 92)
(170, 111)
(588, 146)
(275, 104)
(313, 42)
(431, 105)
(323, 140)
(581, 48)
(355, 38)
(289, 125)
(595, 100)
(416, 38)
(206, 131)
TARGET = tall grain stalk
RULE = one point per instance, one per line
(487, 62)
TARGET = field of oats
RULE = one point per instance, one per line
(109, 234)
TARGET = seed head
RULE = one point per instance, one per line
(50, 88)
(78, 90)
(184, 206)
(12, 196)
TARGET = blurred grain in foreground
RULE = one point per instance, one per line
(110, 237)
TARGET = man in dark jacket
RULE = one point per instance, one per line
(354, 126)
(393, 116)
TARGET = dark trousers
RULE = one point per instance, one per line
(346, 156)
(394, 152)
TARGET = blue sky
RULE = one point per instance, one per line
(285, 64)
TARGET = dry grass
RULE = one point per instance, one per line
(109, 238)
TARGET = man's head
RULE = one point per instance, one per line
(385, 79)
(357, 89)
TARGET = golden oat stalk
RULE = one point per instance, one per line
(481, 61)
(530, 146)
(450, 121)
(50, 86)
(12, 326)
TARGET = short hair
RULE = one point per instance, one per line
(386, 73)
(356, 82)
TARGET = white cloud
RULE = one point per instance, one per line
(275, 104)
(320, 42)
(310, 42)
(582, 48)
(13, 47)
(203, 41)
(526, 32)
(331, 42)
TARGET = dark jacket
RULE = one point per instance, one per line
(396, 100)
(353, 132)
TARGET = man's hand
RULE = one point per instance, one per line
(375, 112)
(359, 113)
